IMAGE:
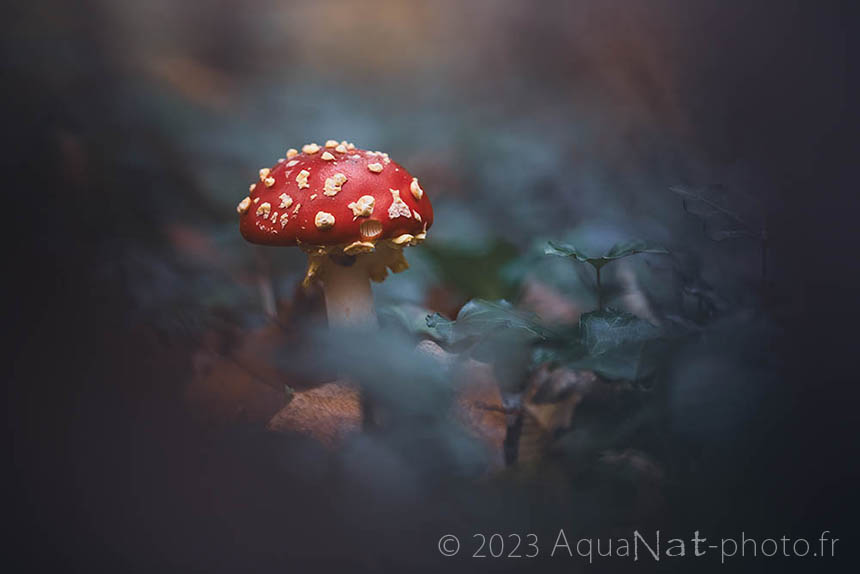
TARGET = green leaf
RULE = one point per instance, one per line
(414, 320)
(633, 247)
(481, 318)
(617, 251)
(615, 344)
(440, 328)
(477, 319)
(494, 332)
(605, 331)
(565, 250)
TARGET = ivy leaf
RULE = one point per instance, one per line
(603, 332)
(477, 319)
(440, 328)
(617, 251)
(493, 332)
(615, 344)
(414, 319)
(724, 215)
(482, 319)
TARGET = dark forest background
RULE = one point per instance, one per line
(133, 128)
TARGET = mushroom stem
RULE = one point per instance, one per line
(348, 297)
(349, 304)
(265, 284)
(267, 296)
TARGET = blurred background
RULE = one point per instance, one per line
(151, 346)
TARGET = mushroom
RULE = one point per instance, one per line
(352, 213)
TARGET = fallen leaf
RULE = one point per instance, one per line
(327, 413)
(221, 391)
(478, 399)
(478, 406)
(548, 407)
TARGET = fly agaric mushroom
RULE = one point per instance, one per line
(351, 210)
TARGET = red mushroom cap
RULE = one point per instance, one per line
(334, 195)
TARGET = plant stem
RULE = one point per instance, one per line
(599, 291)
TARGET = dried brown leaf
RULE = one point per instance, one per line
(549, 403)
(222, 391)
(478, 400)
(479, 407)
(327, 413)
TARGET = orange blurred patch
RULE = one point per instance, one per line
(195, 81)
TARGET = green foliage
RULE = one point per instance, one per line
(481, 319)
(604, 332)
(617, 251)
(494, 332)
(615, 344)
(412, 319)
